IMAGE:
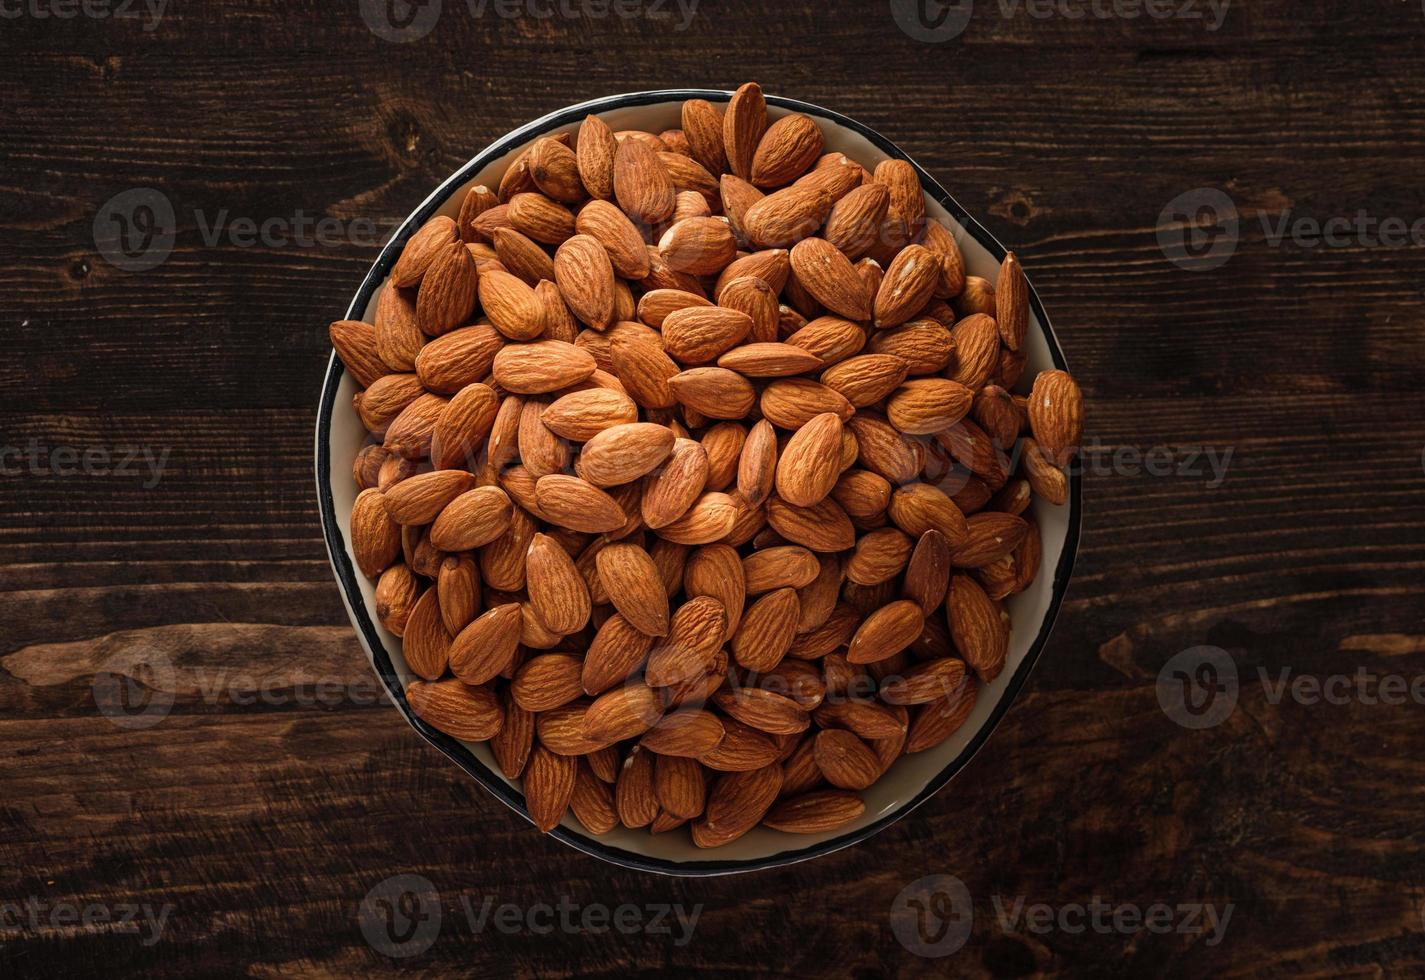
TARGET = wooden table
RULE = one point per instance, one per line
(254, 826)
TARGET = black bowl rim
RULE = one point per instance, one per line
(381, 661)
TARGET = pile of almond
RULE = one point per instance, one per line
(696, 477)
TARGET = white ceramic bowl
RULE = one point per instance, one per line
(912, 779)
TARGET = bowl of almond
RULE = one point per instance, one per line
(696, 475)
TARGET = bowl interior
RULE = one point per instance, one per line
(912, 778)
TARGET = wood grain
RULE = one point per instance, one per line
(261, 822)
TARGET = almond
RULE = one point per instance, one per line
(845, 760)
(714, 392)
(356, 345)
(742, 749)
(617, 650)
(757, 465)
(463, 426)
(633, 793)
(886, 632)
(924, 682)
(830, 338)
(689, 733)
(678, 786)
(540, 218)
(486, 647)
(375, 535)
(623, 453)
(631, 579)
(782, 219)
(821, 527)
(908, 284)
(923, 406)
(426, 643)
(1056, 415)
(702, 126)
(434, 237)
(557, 591)
(578, 505)
(585, 277)
(512, 306)
(594, 155)
(522, 257)
(592, 801)
(619, 237)
(641, 184)
(512, 744)
(644, 369)
(829, 276)
(698, 334)
(743, 124)
(815, 813)
(937, 720)
(456, 360)
(925, 345)
(990, 536)
(772, 266)
(737, 803)
(548, 787)
(785, 566)
(555, 170)
(855, 219)
(397, 592)
(543, 366)
(693, 637)
(980, 634)
(1047, 480)
(810, 464)
(880, 556)
(976, 351)
(670, 490)
(790, 403)
(698, 246)
(472, 519)
(547, 681)
(420, 498)
(1012, 302)
(709, 519)
(786, 151)
(766, 630)
(469, 713)
(581, 415)
(623, 712)
(756, 298)
(716, 570)
(765, 711)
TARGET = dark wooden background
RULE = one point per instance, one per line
(262, 826)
